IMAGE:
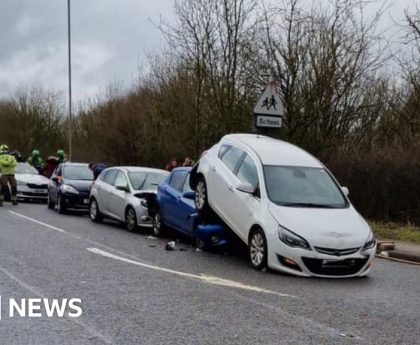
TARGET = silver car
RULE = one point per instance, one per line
(126, 194)
(30, 185)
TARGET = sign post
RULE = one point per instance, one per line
(269, 109)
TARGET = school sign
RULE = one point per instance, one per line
(269, 110)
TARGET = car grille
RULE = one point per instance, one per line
(33, 194)
(337, 252)
(334, 267)
(37, 186)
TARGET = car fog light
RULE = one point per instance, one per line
(289, 263)
(215, 239)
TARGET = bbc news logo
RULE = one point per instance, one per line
(40, 307)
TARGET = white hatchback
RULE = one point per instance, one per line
(126, 194)
(285, 205)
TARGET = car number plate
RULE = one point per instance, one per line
(337, 263)
(40, 191)
(86, 201)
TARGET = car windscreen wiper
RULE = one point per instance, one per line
(308, 204)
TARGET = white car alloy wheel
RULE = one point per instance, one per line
(258, 249)
(201, 195)
(131, 219)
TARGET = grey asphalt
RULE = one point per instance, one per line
(138, 293)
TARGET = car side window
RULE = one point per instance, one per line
(223, 150)
(109, 176)
(232, 157)
(186, 187)
(120, 179)
(248, 172)
(177, 180)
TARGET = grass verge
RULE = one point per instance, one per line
(395, 231)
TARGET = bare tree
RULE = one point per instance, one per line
(324, 59)
(32, 118)
(215, 42)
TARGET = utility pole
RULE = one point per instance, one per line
(70, 129)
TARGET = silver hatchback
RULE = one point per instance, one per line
(126, 194)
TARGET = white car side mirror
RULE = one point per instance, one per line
(246, 188)
(345, 190)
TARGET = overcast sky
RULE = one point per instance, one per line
(110, 38)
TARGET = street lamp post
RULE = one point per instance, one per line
(70, 129)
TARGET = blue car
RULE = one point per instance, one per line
(176, 211)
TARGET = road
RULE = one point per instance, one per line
(135, 292)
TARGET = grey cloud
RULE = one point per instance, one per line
(108, 39)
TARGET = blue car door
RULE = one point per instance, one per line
(164, 200)
(185, 207)
(171, 198)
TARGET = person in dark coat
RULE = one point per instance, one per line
(50, 165)
(97, 168)
(171, 165)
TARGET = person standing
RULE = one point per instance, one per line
(49, 167)
(36, 161)
(61, 157)
(7, 168)
(97, 168)
(188, 162)
(171, 165)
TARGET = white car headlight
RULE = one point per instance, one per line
(20, 183)
(291, 239)
(69, 189)
(370, 243)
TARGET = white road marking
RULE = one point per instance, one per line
(38, 222)
(92, 331)
(205, 278)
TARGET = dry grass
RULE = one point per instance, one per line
(395, 231)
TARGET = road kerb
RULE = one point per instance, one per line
(381, 256)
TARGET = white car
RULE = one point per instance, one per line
(126, 194)
(285, 205)
(30, 184)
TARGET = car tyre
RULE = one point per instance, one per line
(200, 244)
(50, 203)
(201, 196)
(158, 227)
(60, 207)
(94, 212)
(257, 249)
(130, 219)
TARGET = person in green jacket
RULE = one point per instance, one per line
(36, 161)
(61, 157)
(7, 169)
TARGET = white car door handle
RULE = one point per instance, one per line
(213, 168)
(230, 188)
